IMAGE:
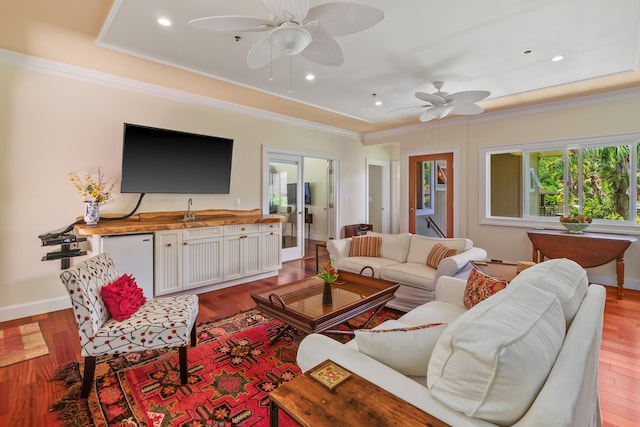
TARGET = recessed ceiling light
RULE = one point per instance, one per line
(164, 22)
(557, 58)
(376, 101)
(310, 77)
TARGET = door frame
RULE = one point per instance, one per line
(406, 180)
(267, 151)
(384, 164)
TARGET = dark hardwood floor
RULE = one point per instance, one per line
(27, 391)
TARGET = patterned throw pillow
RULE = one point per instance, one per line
(365, 246)
(123, 297)
(405, 349)
(438, 253)
(480, 287)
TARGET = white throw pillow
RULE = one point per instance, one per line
(492, 361)
(405, 349)
(393, 246)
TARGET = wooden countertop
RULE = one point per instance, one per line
(158, 221)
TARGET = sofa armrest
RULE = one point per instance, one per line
(338, 248)
(451, 290)
(451, 265)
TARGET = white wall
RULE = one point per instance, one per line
(54, 123)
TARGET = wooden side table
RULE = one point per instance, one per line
(587, 249)
(354, 402)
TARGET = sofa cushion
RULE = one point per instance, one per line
(563, 277)
(438, 253)
(410, 274)
(406, 349)
(420, 246)
(356, 264)
(393, 246)
(365, 246)
(492, 361)
(480, 287)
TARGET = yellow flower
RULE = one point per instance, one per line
(92, 189)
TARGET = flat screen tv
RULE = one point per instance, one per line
(168, 161)
(292, 194)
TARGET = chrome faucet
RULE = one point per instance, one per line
(189, 216)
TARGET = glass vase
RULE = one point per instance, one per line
(91, 213)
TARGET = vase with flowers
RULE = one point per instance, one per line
(329, 274)
(94, 189)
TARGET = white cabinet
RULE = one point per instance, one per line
(271, 246)
(242, 250)
(186, 259)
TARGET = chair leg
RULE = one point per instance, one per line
(182, 353)
(87, 378)
(193, 335)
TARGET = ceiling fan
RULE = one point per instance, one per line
(294, 29)
(440, 104)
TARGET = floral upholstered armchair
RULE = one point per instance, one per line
(158, 323)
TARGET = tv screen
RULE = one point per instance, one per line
(292, 193)
(168, 161)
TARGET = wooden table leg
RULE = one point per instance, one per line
(620, 275)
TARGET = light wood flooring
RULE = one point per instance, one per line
(27, 391)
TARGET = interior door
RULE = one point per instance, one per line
(286, 198)
(431, 195)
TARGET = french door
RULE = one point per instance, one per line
(431, 195)
(286, 197)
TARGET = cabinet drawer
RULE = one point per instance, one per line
(271, 226)
(201, 233)
(231, 230)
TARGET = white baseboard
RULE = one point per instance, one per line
(33, 308)
(611, 281)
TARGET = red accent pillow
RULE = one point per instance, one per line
(480, 287)
(123, 297)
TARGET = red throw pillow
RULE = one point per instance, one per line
(480, 287)
(123, 297)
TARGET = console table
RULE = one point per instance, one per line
(587, 249)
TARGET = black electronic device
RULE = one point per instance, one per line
(292, 193)
(167, 161)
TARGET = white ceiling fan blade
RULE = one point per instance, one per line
(295, 10)
(468, 97)
(431, 99)
(467, 109)
(232, 23)
(261, 54)
(426, 117)
(339, 19)
(414, 107)
(325, 51)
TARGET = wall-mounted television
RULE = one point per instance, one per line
(292, 194)
(167, 161)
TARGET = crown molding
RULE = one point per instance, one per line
(97, 77)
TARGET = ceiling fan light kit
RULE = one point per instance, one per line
(290, 39)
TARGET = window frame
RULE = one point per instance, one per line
(564, 145)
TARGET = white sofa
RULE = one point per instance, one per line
(403, 260)
(526, 356)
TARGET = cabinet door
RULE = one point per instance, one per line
(251, 254)
(168, 262)
(270, 253)
(233, 257)
(201, 262)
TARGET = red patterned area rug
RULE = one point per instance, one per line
(231, 372)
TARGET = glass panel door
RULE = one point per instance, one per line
(286, 198)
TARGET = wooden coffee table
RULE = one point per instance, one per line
(300, 306)
(353, 402)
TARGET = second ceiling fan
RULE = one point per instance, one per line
(294, 29)
(440, 104)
